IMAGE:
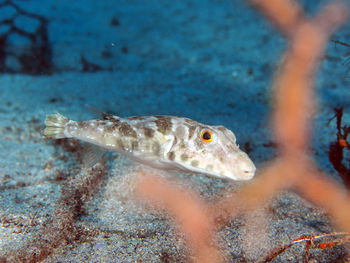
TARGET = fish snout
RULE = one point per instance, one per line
(246, 168)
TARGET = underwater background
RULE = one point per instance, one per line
(209, 60)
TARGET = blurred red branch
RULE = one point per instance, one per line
(190, 213)
(294, 109)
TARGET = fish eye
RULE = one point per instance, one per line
(207, 136)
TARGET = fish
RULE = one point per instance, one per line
(163, 142)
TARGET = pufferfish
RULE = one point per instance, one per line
(164, 142)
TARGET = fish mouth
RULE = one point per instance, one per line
(248, 174)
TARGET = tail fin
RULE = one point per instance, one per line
(55, 125)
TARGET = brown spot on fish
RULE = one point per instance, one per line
(190, 122)
(148, 132)
(120, 144)
(164, 124)
(126, 130)
(171, 156)
(115, 120)
(85, 124)
(175, 141)
(194, 163)
(184, 157)
(191, 130)
(134, 145)
(114, 126)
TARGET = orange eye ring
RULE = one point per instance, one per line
(207, 136)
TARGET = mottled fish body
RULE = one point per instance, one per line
(163, 142)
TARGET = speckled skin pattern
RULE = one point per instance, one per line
(163, 142)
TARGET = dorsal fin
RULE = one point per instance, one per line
(103, 114)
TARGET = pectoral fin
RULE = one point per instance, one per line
(92, 154)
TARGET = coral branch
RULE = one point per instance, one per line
(295, 80)
(324, 192)
(190, 213)
(285, 14)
